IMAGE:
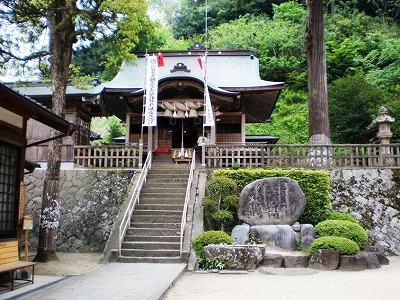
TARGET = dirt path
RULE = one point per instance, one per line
(296, 284)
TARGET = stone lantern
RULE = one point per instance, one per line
(384, 134)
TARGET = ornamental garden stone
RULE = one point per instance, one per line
(271, 201)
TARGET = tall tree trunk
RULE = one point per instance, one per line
(317, 82)
(61, 29)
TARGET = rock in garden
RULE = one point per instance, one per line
(272, 260)
(236, 257)
(383, 260)
(352, 263)
(307, 233)
(271, 201)
(372, 261)
(300, 261)
(324, 259)
(240, 234)
(286, 237)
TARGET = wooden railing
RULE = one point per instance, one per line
(115, 156)
(187, 199)
(303, 156)
(126, 220)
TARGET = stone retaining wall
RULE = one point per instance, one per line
(90, 202)
(372, 196)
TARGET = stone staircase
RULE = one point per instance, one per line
(154, 235)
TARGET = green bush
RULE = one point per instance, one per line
(221, 186)
(347, 229)
(222, 216)
(209, 237)
(341, 244)
(209, 203)
(314, 184)
(341, 216)
(230, 203)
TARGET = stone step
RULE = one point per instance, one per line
(169, 171)
(164, 185)
(153, 246)
(156, 218)
(156, 260)
(135, 225)
(170, 177)
(153, 231)
(155, 238)
(161, 197)
(164, 191)
(153, 212)
(150, 253)
(159, 206)
(178, 200)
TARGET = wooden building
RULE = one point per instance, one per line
(15, 111)
(238, 96)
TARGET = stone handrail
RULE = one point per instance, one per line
(126, 220)
(332, 156)
(187, 198)
(109, 156)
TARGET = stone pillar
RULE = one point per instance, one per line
(384, 134)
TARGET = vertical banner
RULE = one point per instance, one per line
(150, 111)
(208, 111)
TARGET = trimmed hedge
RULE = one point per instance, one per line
(314, 184)
(209, 237)
(341, 216)
(347, 229)
(343, 245)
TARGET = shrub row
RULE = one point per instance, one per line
(315, 186)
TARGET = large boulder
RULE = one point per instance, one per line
(298, 261)
(281, 236)
(272, 260)
(271, 201)
(324, 259)
(352, 262)
(236, 257)
(307, 235)
(240, 234)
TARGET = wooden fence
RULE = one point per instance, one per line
(302, 156)
(256, 155)
(114, 156)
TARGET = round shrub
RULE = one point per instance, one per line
(347, 229)
(343, 245)
(222, 216)
(230, 202)
(209, 202)
(209, 237)
(221, 186)
(341, 216)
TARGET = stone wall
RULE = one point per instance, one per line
(90, 202)
(373, 197)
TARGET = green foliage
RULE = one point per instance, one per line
(347, 229)
(210, 203)
(222, 216)
(343, 245)
(209, 237)
(235, 165)
(350, 119)
(220, 186)
(314, 184)
(214, 264)
(289, 120)
(230, 202)
(341, 216)
(253, 240)
(299, 246)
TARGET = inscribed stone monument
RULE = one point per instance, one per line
(271, 201)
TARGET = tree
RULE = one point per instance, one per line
(317, 82)
(350, 119)
(66, 22)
